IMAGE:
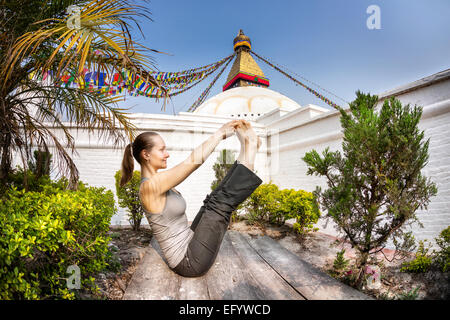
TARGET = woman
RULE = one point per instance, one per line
(190, 251)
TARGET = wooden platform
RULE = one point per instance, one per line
(246, 268)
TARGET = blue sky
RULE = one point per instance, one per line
(324, 41)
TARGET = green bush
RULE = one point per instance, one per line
(443, 255)
(41, 163)
(303, 207)
(268, 203)
(422, 261)
(16, 179)
(223, 164)
(340, 262)
(375, 185)
(35, 177)
(43, 233)
(262, 202)
(128, 196)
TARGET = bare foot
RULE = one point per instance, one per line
(250, 143)
(251, 135)
(241, 132)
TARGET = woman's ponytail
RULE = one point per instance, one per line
(127, 166)
(142, 141)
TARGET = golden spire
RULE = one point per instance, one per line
(245, 71)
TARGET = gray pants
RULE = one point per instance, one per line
(211, 222)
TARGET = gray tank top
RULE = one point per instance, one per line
(170, 227)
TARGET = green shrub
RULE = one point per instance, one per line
(422, 261)
(16, 179)
(43, 233)
(375, 185)
(443, 255)
(281, 205)
(268, 203)
(304, 209)
(35, 183)
(340, 262)
(128, 196)
(41, 163)
(223, 164)
(36, 176)
(113, 260)
(262, 202)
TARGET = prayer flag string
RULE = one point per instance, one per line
(205, 93)
(318, 95)
(187, 88)
(126, 81)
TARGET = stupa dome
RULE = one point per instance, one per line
(246, 102)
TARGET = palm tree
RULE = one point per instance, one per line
(39, 36)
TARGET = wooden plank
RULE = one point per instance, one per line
(228, 278)
(270, 282)
(189, 288)
(153, 280)
(311, 282)
(193, 289)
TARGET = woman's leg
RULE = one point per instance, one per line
(246, 157)
(215, 218)
(205, 244)
(202, 209)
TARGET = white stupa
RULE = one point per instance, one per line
(245, 93)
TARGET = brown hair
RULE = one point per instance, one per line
(142, 141)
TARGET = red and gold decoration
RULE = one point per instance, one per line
(244, 72)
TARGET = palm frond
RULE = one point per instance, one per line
(33, 133)
(42, 114)
(96, 19)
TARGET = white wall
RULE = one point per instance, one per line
(286, 138)
(435, 124)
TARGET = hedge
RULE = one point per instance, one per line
(45, 232)
(269, 203)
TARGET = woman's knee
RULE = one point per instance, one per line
(191, 272)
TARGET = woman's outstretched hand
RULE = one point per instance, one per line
(229, 128)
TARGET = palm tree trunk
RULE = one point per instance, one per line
(5, 164)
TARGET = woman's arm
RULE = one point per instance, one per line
(203, 151)
(165, 180)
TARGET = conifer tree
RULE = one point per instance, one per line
(224, 163)
(376, 185)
